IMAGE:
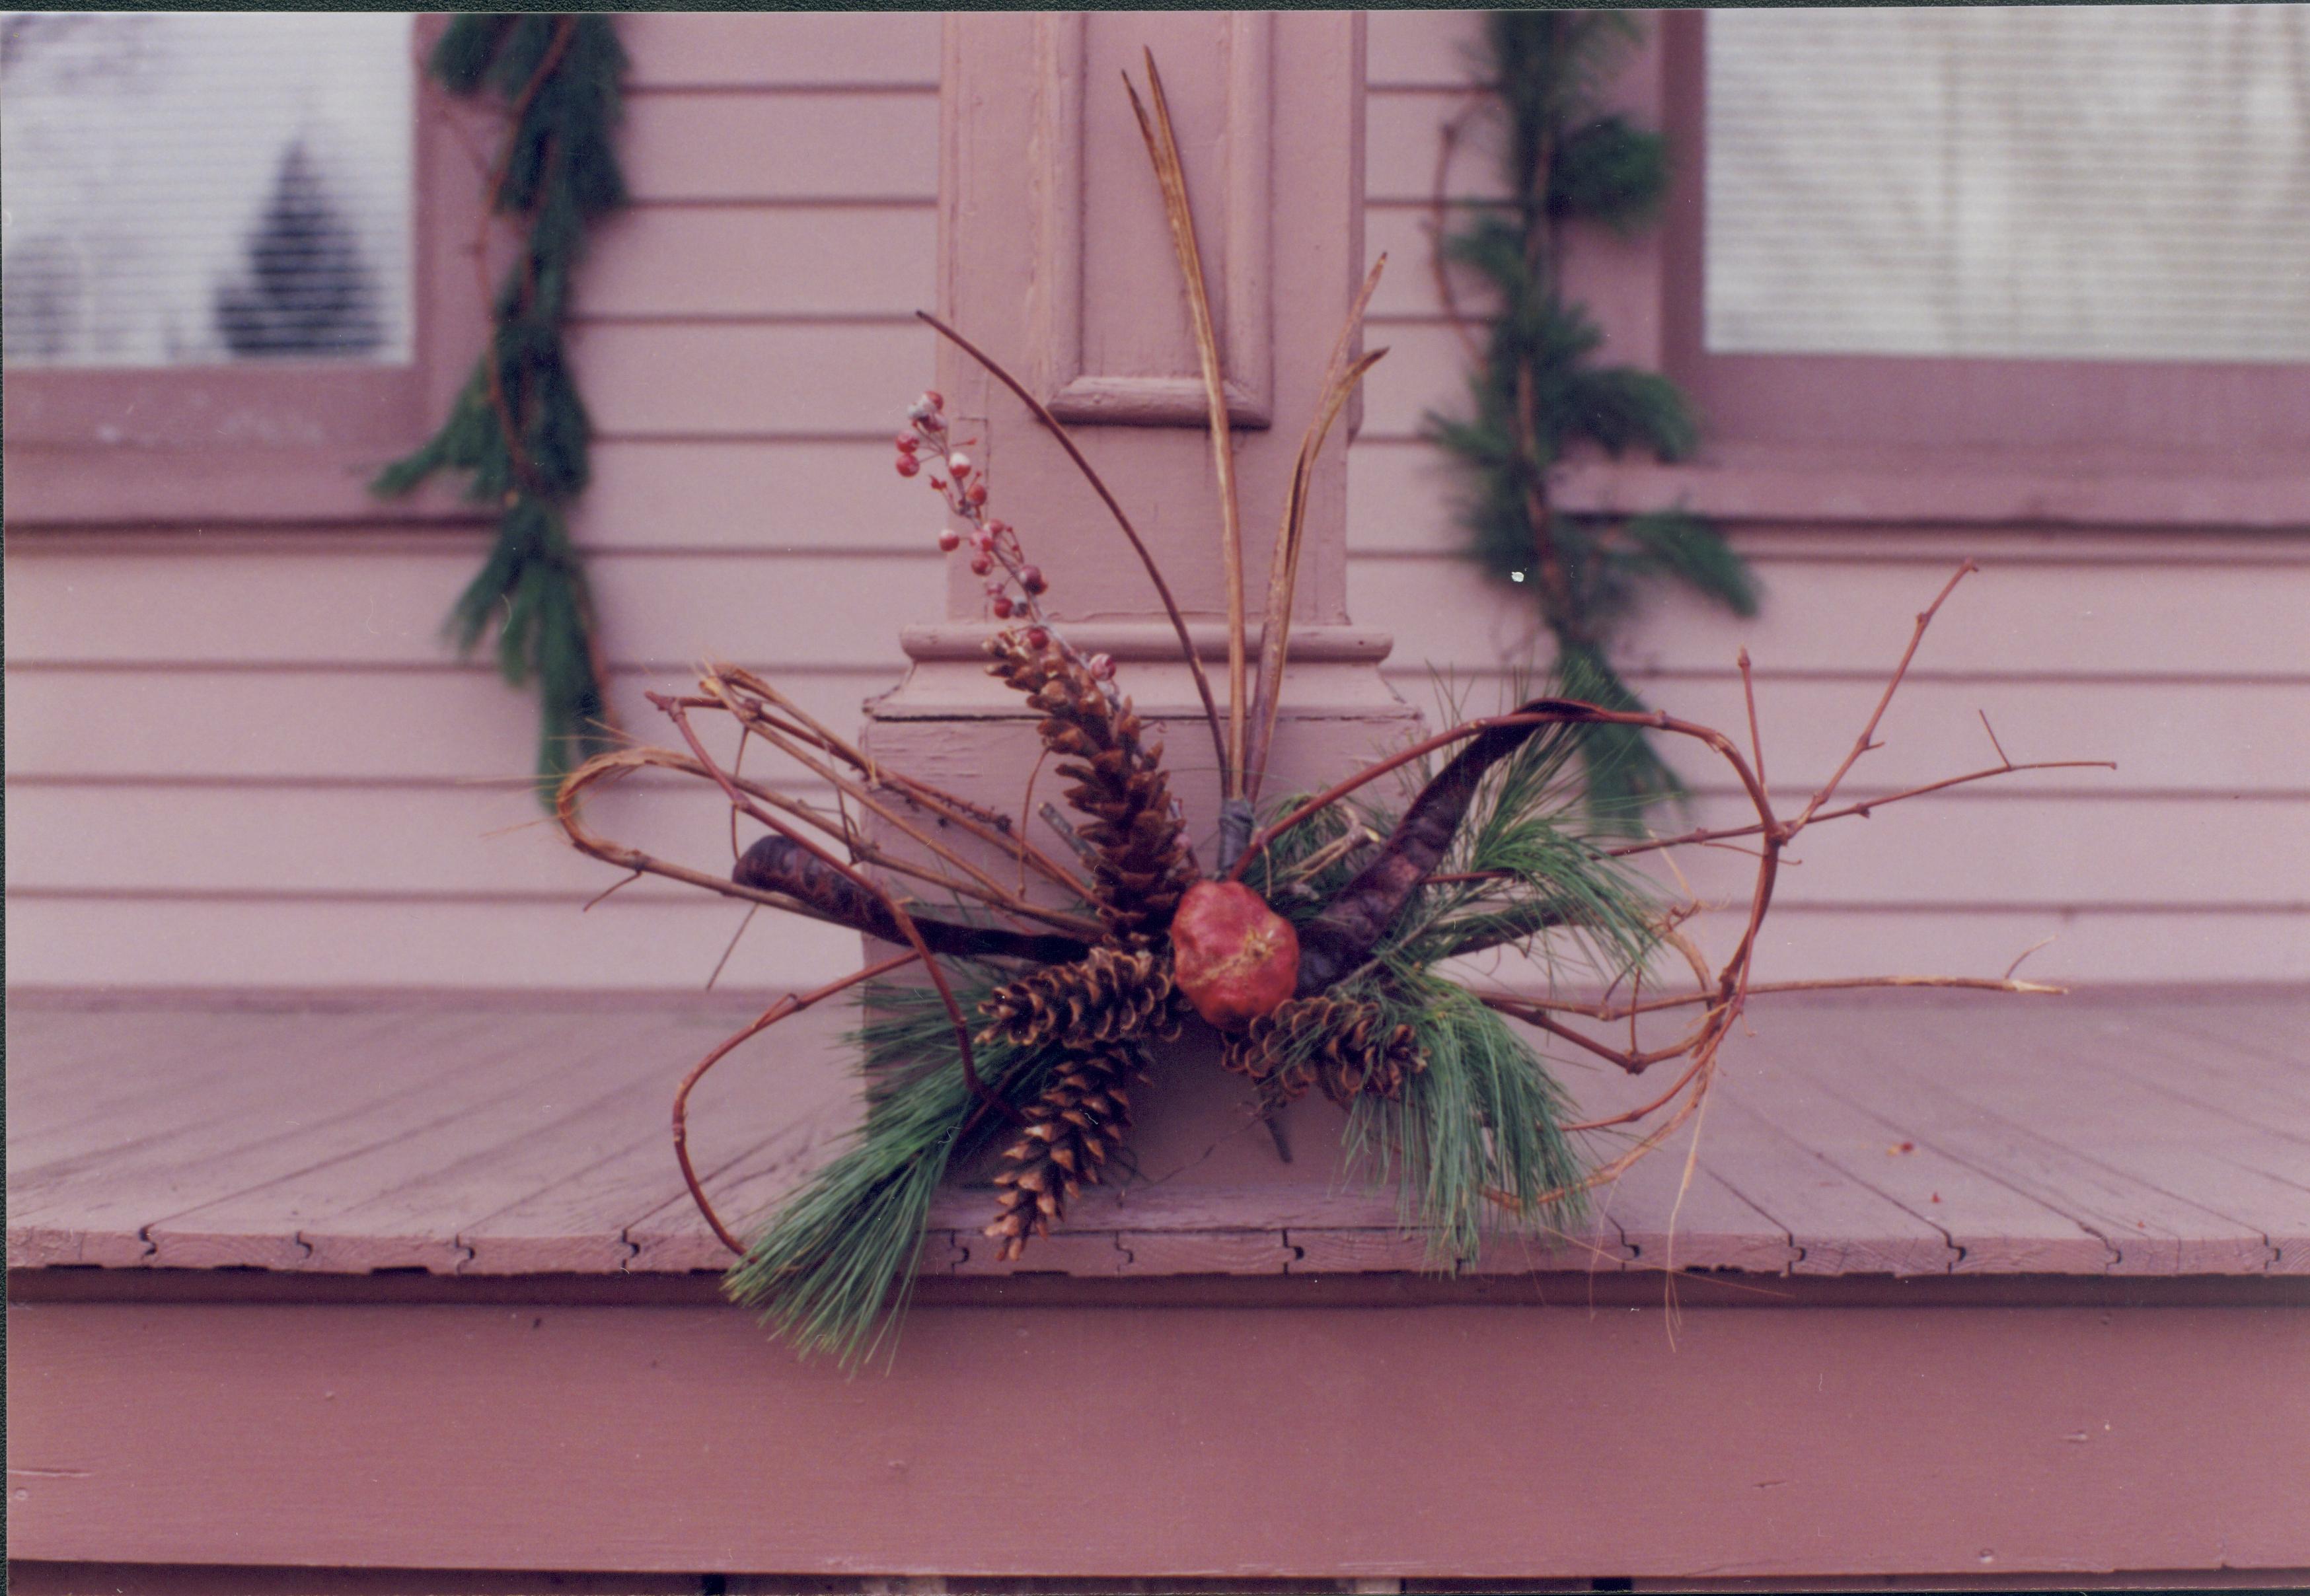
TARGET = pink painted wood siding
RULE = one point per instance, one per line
(240, 756)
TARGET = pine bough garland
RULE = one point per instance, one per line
(1316, 945)
(519, 428)
(1536, 393)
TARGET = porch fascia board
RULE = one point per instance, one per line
(1554, 1440)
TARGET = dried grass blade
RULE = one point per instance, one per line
(1275, 634)
(1171, 176)
(997, 830)
(1283, 572)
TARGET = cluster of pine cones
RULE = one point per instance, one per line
(1103, 1009)
(1110, 996)
(1343, 1045)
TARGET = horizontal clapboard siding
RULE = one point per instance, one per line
(283, 696)
(2181, 655)
(745, 340)
(2055, 852)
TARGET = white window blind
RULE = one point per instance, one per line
(196, 189)
(2120, 182)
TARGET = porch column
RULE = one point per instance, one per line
(1054, 258)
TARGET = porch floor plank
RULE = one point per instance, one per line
(2243, 1171)
(1837, 1224)
(2146, 1133)
(375, 1200)
(2002, 1131)
(2232, 1077)
(1994, 1227)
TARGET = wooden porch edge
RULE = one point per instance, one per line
(1342, 1289)
(1461, 1440)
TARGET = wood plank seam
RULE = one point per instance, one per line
(2114, 1254)
(1957, 1251)
(2147, 1182)
(2085, 1221)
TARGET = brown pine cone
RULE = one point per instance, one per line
(1141, 865)
(1339, 1044)
(1080, 1118)
(1107, 996)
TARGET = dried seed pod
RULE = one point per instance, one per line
(775, 863)
(1361, 912)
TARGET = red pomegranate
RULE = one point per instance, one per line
(1235, 957)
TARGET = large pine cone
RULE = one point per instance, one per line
(1080, 1118)
(1107, 996)
(1142, 866)
(1340, 1043)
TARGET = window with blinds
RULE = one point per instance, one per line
(2079, 183)
(200, 189)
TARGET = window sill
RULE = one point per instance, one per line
(1758, 483)
(62, 486)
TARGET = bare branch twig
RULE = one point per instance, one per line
(785, 1007)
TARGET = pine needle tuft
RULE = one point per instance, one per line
(833, 1269)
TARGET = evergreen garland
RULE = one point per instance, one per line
(1536, 394)
(519, 428)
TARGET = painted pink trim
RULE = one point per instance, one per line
(1394, 1439)
(198, 444)
(1237, 260)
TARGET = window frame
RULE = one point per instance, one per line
(1925, 437)
(274, 441)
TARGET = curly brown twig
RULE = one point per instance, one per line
(1726, 990)
(1613, 1014)
(988, 890)
(1860, 807)
(622, 762)
(988, 1100)
(790, 1004)
(1866, 740)
(997, 830)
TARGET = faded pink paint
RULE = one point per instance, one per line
(1464, 1441)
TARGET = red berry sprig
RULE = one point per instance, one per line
(1014, 588)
